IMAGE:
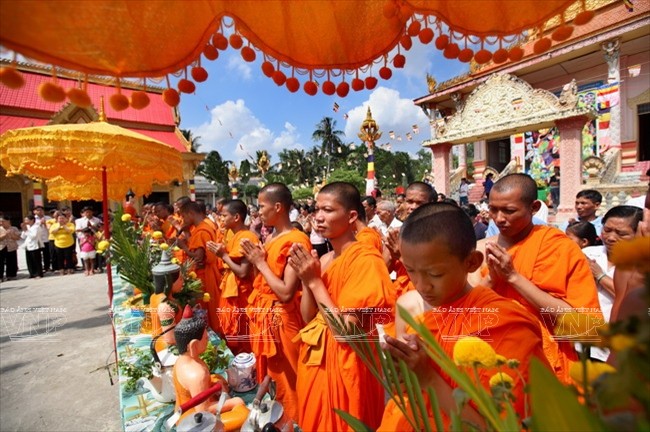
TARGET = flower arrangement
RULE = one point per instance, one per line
(192, 288)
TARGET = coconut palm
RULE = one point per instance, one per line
(329, 137)
(192, 139)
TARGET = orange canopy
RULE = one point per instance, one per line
(152, 38)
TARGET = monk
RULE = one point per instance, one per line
(438, 249)
(205, 264)
(237, 281)
(274, 308)
(191, 375)
(353, 277)
(536, 265)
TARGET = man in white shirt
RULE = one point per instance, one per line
(370, 206)
(386, 213)
(41, 219)
(586, 205)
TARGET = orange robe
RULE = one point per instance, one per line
(402, 283)
(370, 237)
(234, 296)
(556, 265)
(209, 272)
(502, 323)
(274, 324)
(330, 374)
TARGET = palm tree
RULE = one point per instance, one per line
(329, 137)
(193, 140)
(215, 169)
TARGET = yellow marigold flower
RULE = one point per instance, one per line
(164, 246)
(103, 245)
(176, 248)
(620, 342)
(126, 217)
(576, 324)
(501, 360)
(513, 363)
(175, 261)
(470, 351)
(594, 370)
(192, 275)
(206, 297)
(501, 378)
(632, 254)
(157, 235)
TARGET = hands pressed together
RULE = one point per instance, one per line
(305, 263)
(255, 254)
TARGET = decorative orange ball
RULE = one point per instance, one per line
(562, 33)
(171, 97)
(451, 51)
(279, 77)
(385, 73)
(248, 54)
(483, 56)
(210, 52)
(236, 41)
(139, 100)
(219, 41)
(119, 102)
(406, 42)
(583, 17)
(414, 28)
(542, 45)
(186, 86)
(51, 92)
(11, 78)
(426, 35)
(199, 74)
(79, 97)
(357, 84)
(310, 88)
(500, 56)
(293, 84)
(442, 41)
(268, 69)
(329, 88)
(516, 54)
(343, 89)
(465, 55)
(371, 82)
(399, 61)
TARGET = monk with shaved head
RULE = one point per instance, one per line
(537, 266)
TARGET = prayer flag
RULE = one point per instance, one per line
(336, 107)
(416, 129)
(391, 134)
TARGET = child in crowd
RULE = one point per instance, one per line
(583, 234)
(87, 250)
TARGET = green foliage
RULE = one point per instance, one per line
(192, 290)
(356, 424)
(216, 358)
(350, 176)
(141, 367)
(302, 193)
(215, 168)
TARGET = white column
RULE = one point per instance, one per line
(612, 52)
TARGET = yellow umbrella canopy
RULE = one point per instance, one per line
(73, 156)
(316, 40)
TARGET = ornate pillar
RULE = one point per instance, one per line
(441, 167)
(480, 151)
(518, 150)
(612, 52)
(462, 158)
(570, 164)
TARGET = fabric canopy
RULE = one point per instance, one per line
(152, 38)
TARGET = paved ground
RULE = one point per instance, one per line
(52, 360)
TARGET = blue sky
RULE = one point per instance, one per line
(238, 110)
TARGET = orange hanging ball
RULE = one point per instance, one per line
(79, 97)
(583, 17)
(542, 45)
(329, 88)
(562, 33)
(11, 78)
(139, 100)
(483, 56)
(406, 42)
(357, 84)
(119, 102)
(466, 55)
(219, 41)
(293, 84)
(186, 86)
(310, 88)
(371, 82)
(516, 54)
(385, 73)
(426, 35)
(268, 69)
(500, 55)
(414, 28)
(51, 92)
(279, 77)
(248, 54)
(199, 74)
(442, 41)
(236, 41)
(171, 97)
(210, 52)
(399, 61)
(343, 89)
(451, 51)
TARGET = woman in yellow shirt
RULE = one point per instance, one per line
(62, 231)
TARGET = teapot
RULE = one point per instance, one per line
(242, 373)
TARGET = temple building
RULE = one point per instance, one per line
(582, 106)
(25, 108)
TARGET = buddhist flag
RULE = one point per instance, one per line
(408, 136)
(336, 107)
(345, 116)
(391, 134)
(416, 129)
(399, 138)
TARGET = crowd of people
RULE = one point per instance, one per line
(279, 272)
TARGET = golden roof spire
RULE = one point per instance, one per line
(369, 129)
(102, 113)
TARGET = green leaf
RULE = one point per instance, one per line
(356, 424)
(554, 407)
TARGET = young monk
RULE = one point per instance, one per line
(191, 375)
(437, 245)
(205, 264)
(330, 374)
(536, 265)
(237, 281)
(274, 309)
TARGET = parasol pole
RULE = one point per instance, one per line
(109, 270)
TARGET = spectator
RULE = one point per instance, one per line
(42, 219)
(63, 232)
(586, 206)
(9, 236)
(554, 185)
(386, 214)
(33, 245)
(487, 185)
(370, 206)
(479, 227)
(463, 192)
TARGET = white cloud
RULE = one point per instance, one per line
(391, 113)
(239, 66)
(235, 132)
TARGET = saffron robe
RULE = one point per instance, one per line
(209, 272)
(274, 324)
(234, 296)
(501, 322)
(330, 374)
(556, 265)
(370, 237)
